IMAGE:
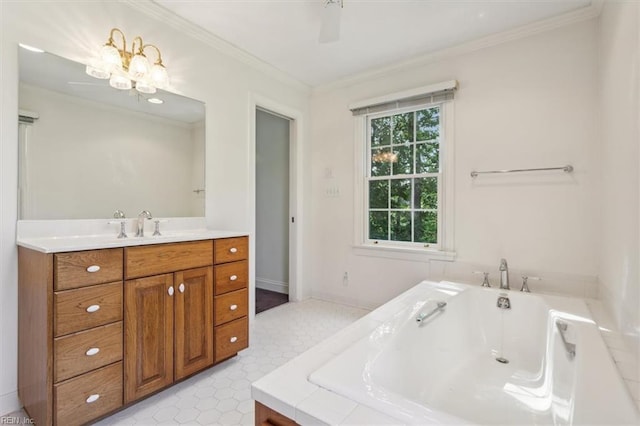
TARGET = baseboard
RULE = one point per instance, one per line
(9, 403)
(272, 285)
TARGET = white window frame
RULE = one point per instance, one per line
(444, 249)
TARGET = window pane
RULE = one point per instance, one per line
(403, 128)
(427, 158)
(428, 127)
(403, 163)
(425, 227)
(401, 226)
(401, 193)
(379, 194)
(381, 162)
(425, 193)
(378, 225)
(381, 131)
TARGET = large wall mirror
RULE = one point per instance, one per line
(87, 149)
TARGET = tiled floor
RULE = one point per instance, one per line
(221, 395)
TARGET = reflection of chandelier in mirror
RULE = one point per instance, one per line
(127, 69)
(385, 157)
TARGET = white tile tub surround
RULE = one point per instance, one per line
(622, 353)
(307, 403)
(50, 236)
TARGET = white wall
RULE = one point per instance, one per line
(272, 202)
(619, 86)
(198, 70)
(531, 102)
(78, 167)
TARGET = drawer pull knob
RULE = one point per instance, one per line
(93, 398)
(233, 250)
(93, 308)
(233, 277)
(92, 351)
(170, 291)
(181, 287)
(233, 307)
(233, 339)
(93, 268)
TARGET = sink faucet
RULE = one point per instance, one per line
(504, 275)
(144, 214)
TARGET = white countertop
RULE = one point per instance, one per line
(288, 391)
(63, 236)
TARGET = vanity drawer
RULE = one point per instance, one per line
(230, 276)
(84, 268)
(230, 249)
(89, 307)
(230, 306)
(87, 350)
(231, 338)
(75, 400)
(144, 261)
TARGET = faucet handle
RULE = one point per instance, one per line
(525, 286)
(123, 224)
(485, 279)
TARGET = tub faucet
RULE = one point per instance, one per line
(144, 214)
(504, 275)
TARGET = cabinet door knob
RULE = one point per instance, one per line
(170, 291)
(93, 308)
(93, 268)
(233, 339)
(92, 351)
(181, 287)
(93, 398)
(233, 277)
(233, 250)
(233, 307)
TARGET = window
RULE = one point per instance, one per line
(404, 177)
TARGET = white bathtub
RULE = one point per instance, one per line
(445, 371)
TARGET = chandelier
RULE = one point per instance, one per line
(129, 69)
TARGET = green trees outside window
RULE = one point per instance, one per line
(403, 178)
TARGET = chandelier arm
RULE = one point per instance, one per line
(140, 46)
(159, 61)
(112, 42)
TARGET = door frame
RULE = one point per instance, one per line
(257, 101)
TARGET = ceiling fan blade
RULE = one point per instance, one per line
(330, 27)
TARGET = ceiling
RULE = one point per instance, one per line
(374, 33)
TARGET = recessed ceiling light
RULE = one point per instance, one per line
(155, 100)
(30, 48)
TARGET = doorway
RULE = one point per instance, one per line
(272, 174)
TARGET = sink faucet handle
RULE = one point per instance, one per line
(485, 278)
(525, 286)
(123, 224)
(156, 231)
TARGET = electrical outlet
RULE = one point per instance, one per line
(345, 279)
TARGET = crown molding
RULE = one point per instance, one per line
(584, 14)
(188, 28)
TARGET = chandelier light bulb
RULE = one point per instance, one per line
(138, 67)
(159, 76)
(110, 57)
(120, 81)
(144, 86)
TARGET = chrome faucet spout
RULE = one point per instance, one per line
(504, 275)
(144, 214)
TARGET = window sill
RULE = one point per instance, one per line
(403, 253)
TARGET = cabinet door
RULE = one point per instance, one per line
(148, 335)
(194, 321)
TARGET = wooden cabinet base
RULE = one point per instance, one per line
(265, 416)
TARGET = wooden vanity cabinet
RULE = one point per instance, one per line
(70, 352)
(98, 329)
(231, 301)
(169, 317)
